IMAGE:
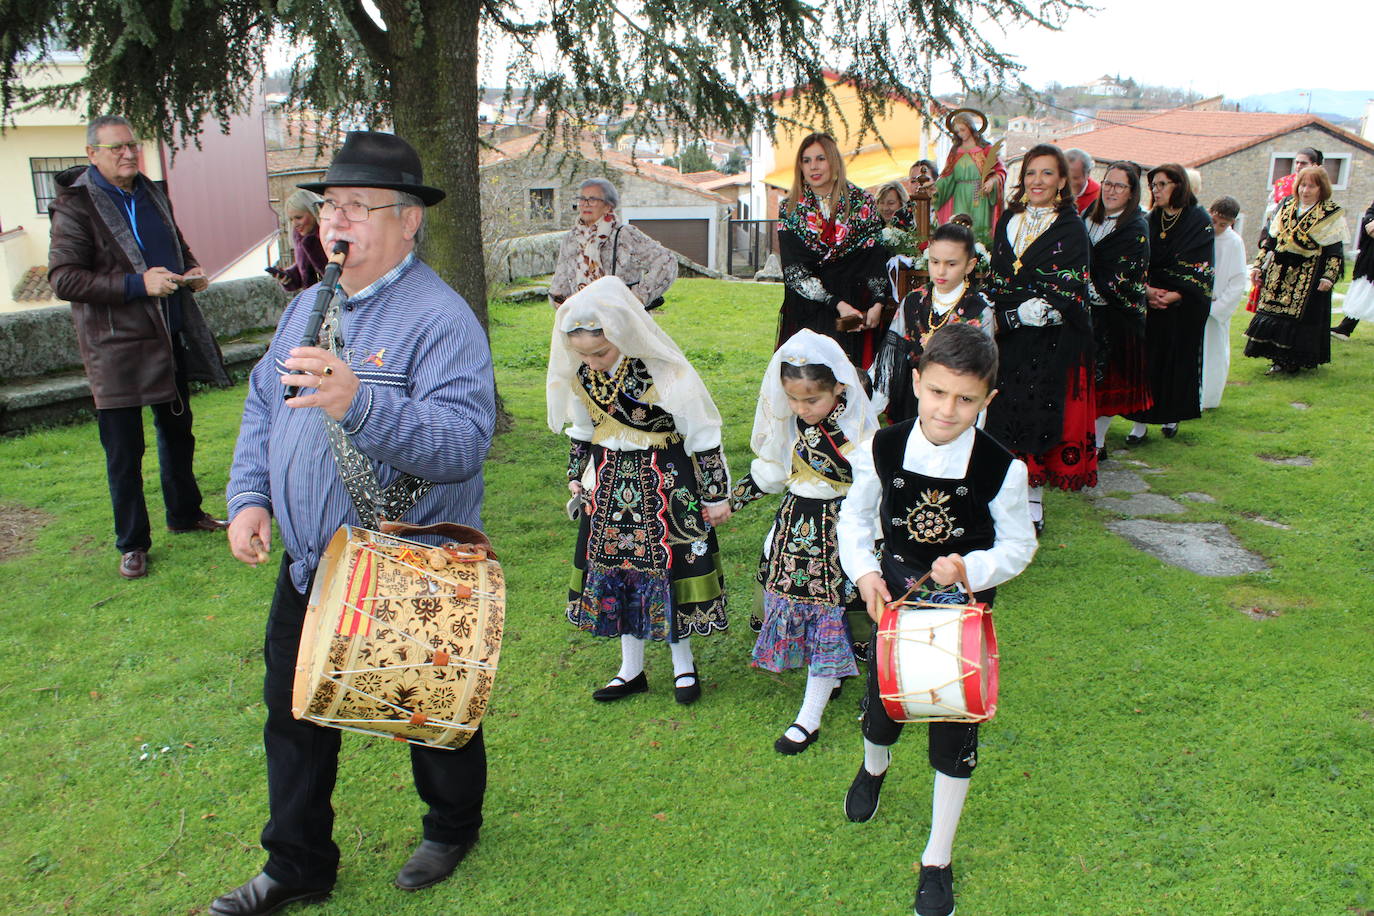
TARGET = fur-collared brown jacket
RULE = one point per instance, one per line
(125, 343)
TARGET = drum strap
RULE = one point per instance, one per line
(373, 502)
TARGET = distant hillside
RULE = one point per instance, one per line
(1348, 103)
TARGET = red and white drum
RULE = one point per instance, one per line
(937, 662)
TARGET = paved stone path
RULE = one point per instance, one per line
(1205, 548)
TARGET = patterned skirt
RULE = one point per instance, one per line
(646, 562)
(804, 593)
(1071, 464)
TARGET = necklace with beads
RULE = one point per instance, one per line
(1166, 222)
(604, 387)
(1034, 221)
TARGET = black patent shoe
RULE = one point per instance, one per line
(786, 745)
(688, 693)
(430, 863)
(619, 688)
(262, 896)
(1169, 430)
(1133, 439)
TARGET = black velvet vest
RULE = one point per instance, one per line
(924, 518)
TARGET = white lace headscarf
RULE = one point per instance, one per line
(608, 305)
(775, 425)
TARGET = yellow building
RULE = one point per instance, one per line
(903, 135)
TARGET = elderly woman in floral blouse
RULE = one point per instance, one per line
(601, 244)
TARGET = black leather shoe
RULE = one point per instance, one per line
(430, 863)
(861, 801)
(206, 522)
(688, 693)
(263, 895)
(786, 745)
(1133, 439)
(1169, 430)
(620, 688)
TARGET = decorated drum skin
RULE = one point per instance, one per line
(401, 639)
(937, 662)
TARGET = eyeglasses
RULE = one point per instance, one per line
(1160, 185)
(590, 200)
(355, 212)
(1115, 186)
(129, 147)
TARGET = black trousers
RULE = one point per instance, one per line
(302, 759)
(121, 433)
(951, 746)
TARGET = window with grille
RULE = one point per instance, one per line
(45, 171)
(541, 204)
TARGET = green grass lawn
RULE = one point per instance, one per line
(1157, 751)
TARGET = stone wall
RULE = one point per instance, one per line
(41, 341)
(1245, 176)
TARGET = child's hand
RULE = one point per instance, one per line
(575, 487)
(947, 570)
(874, 592)
(718, 513)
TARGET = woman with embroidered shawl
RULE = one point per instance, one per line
(1045, 408)
(833, 266)
(1118, 231)
(973, 176)
(1301, 257)
(1359, 298)
(600, 243)
(646, 565)
(1178, 299)
(811, 412)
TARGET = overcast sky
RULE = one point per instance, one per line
(1231, 47)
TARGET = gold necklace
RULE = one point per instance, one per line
(1026, 234)
(1165, 223)
(604, 387)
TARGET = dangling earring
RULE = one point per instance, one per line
(1022, 196)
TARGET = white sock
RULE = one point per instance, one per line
(817, 694)
(1139, 429)
(946, 804)
(876, 758)
(631, 658)
(1102, 424)
(682, 662)
(1037, 503)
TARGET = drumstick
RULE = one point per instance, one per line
(259, 548)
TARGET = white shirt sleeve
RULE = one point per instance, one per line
(769, 476)
(857, 529)
(1014, 542)
(1231, 276)
(582, 427)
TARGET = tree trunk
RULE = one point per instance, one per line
(434, 107)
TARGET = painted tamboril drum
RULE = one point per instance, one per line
(937, 662)
(401, 639)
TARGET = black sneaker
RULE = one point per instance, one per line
(861, 801)
(935, 893)
(755, 623)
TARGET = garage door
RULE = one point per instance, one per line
(688, 237)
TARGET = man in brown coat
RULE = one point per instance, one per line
(117, 256)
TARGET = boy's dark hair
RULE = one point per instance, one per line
(962, 348)
(819, 373)
(1312, 153)
(957, 233)
(1226, 208)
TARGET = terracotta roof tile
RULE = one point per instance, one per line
(1194, 138)
(33, 287)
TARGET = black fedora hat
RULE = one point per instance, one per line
(371, 159)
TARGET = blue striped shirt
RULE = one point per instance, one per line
(429, 409)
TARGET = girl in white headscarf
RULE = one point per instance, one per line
(811, 413)
(647, 564)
